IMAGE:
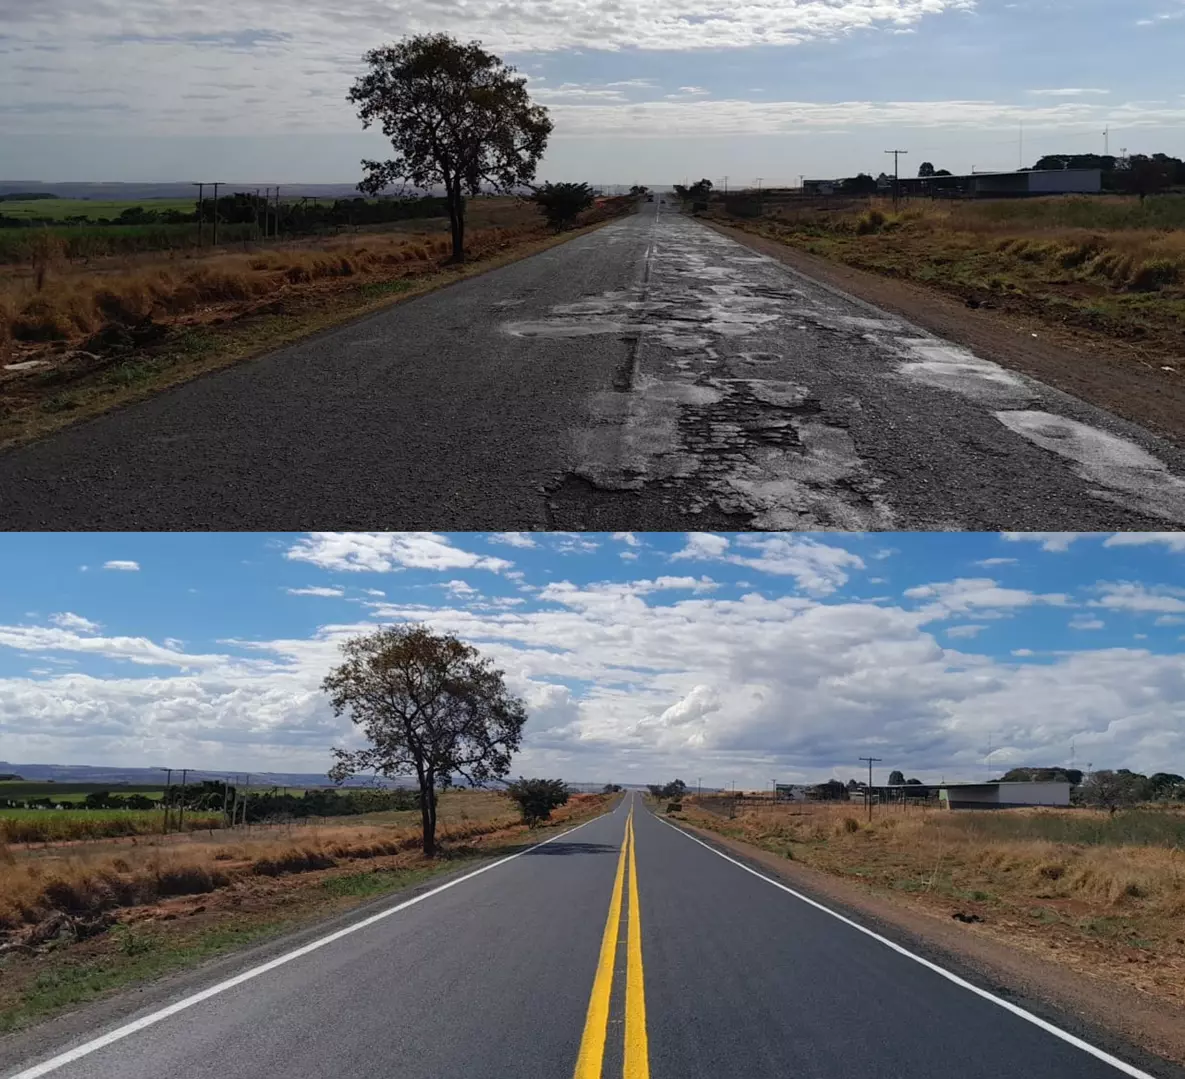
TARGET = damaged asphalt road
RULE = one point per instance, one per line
(651, 375)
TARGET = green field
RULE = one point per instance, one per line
(59, 209)
(48, 826)
(72, 792)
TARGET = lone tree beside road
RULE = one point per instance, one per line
(537, 798)
(562, 203)
(457, 118)
(430, 706)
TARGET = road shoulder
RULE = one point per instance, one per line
(1136, 1028)
(1097, 369)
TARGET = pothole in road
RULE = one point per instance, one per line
(948, 367)
(1135, 478)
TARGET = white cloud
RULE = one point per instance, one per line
(374, 592)
(514, 539)
(974, 594)
(989, 563)
(629, 556)
(1068, 92)
(702, 546)
(969, 630)
(1086, 622)
(633, 680)
(67, 620)
(1175, 542)
(1126, 596)
(1049, 541)
(316, 590)
(819, 568)
(627, 538)
(460, 588)
(382, 552)
(121, 564)
(574, 543)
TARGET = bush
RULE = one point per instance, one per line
(1154, 274)
(562, 204)
(538, 798)
(672, 807)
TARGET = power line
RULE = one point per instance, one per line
(896, 189)
(870, 760)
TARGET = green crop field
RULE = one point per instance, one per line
(59, 209)
(68, 792)
(48, 826)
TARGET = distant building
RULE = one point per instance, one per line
(1001, 795)
(1008, 184)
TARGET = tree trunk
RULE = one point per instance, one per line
(456, 218)
(428, 812)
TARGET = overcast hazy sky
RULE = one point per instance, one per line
(741, 658)
(646, 90)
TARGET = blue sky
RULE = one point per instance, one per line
(650, 91)
(721, 656)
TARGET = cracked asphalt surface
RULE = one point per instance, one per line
(492, 977)
(651, 375)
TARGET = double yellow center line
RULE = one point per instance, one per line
(636, 1062)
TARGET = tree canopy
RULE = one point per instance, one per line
(429, 706)
(562, 203)
(457, 117)
(537, 798)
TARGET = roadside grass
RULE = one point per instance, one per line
(1108, 265)
(86, 881)
(1105, 892)
(149, 941)
(210, 314)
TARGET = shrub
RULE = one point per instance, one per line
(561, 204)
(1153, 274)
(537, 798)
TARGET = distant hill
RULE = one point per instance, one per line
(114, 774)
(36, 189)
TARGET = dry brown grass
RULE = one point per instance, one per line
(97, 877)
(75, 302)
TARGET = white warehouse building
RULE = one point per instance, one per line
(1005, 794)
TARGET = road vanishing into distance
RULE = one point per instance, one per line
(624, 947)
(650, 375)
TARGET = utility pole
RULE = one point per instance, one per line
(699, 785)
(246, 793)
(276, 233)
(1107, 141)
(168, 785)
(896, 180)
(216, 214)
(868, 792)
(773, 786)
(201, 209)
(181, 817)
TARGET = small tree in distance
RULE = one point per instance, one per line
(562, 204)
(1112, 790)
(430, 706)
(896, 778)
(457, 118)
(537, 798)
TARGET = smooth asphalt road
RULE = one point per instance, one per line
(707, 970)
(653, 374)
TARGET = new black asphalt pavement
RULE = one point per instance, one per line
(653, 374)
(492, 977)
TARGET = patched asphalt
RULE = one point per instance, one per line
(651, 375)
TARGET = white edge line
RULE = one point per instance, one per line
(66, 1057)
(1024, 1014)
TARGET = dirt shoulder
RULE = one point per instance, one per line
(989, 951)
(1113, 374)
